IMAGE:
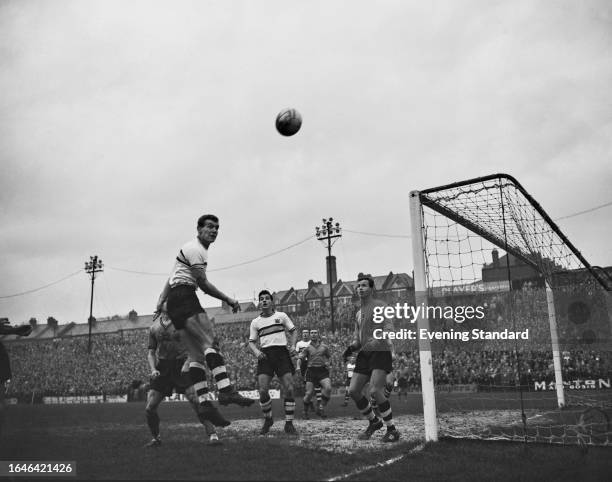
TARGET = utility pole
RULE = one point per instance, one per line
(329, 234)
(93, 266)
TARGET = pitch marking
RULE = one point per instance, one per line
(390, 461)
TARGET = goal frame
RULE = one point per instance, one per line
(418, 200)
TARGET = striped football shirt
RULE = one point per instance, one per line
(270, 330)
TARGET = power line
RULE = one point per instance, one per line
(149, 273)
(41, 287)
(223, 267)
(585, 211)
(405, 236)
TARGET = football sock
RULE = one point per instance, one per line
(265, 402)
(365, 408)
(289, 409)
(217, 366)
(198, 377)
(386, 413)
(318, 394)
(388, 390)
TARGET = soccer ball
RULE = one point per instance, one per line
(288, 122)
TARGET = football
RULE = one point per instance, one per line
(288, 122)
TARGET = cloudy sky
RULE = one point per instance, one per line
(122, 121)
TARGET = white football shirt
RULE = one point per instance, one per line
(270, 330)
(190, 264)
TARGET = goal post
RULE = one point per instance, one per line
(420, 295)
(486, 241)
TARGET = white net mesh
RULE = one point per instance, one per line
(491, 251)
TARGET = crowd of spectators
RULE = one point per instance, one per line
(117, 362)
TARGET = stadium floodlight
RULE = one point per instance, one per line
(541, 287)
(93, 266)
(329, 235)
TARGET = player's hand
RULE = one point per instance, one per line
(234, 304)
(155, 373)
(261, 356)
(347, 353)
(293, 352)
(23, 330)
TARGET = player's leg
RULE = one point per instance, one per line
(361, 376)
(265, 402)
(318, 396)
(326, 389)
(197, 375)
(389, 385)
(346, 391)
(308, 398)
(154, 398)
(288, 402)
(211, 431)
(199, 334)
(284, 371)
(378, 380)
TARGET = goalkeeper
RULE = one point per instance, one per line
(374, 361)
(5, 366)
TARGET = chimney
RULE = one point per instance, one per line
(495, 255)
(331, 270)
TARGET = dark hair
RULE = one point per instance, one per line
(265, 292)
(202, 219)
(368, 277)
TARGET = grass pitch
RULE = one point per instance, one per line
(107, 442)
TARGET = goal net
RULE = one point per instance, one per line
(514, 334)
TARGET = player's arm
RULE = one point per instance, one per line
(152, 363)
(388, 326)
(327, 354)
(256, 351)
(253, 337)
(290, 328)
(355, 344)
(210, 289)
(151, 358)
(303, 356)
(163, 296)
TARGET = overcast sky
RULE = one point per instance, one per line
(123, 121)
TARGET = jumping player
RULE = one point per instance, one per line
(318, 358)
(374, 361)
(273, 357)
(167, 360)
(188, 316)
(5, 364)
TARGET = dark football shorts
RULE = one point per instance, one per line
(348, 380)
(316, 374)
(402, 382)
(278, 360)
(183, 303)
(5, 365)
(373, 360)
(171, 377)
